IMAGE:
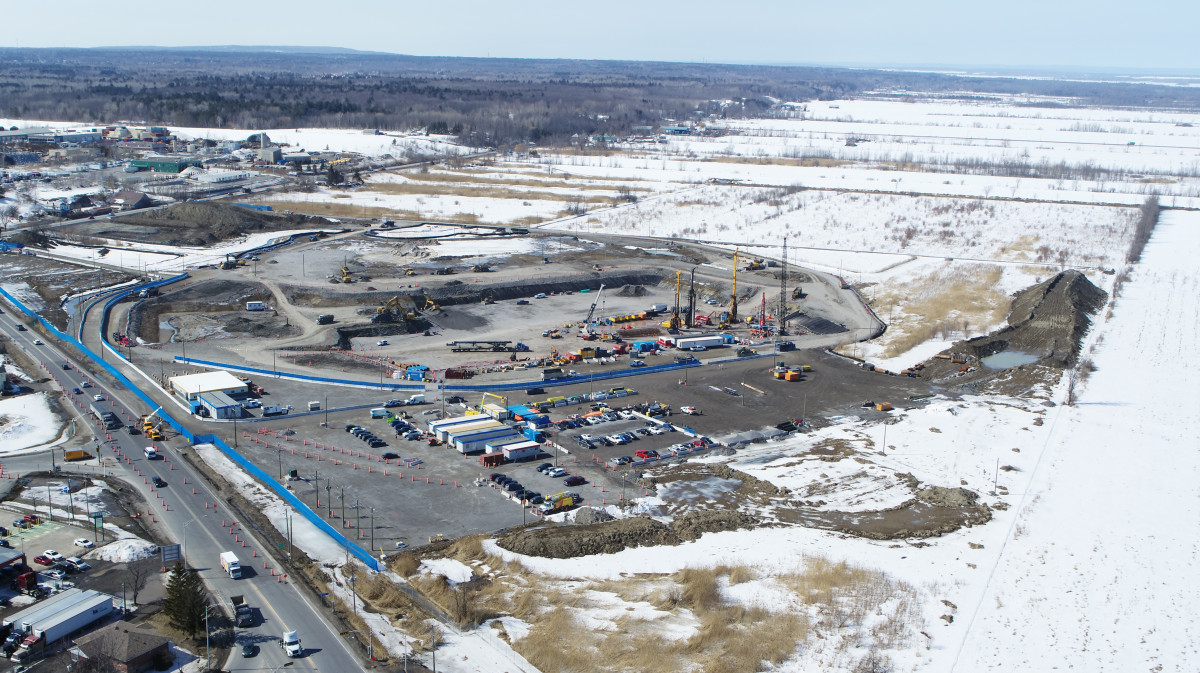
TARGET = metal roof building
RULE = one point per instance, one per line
(191, 386)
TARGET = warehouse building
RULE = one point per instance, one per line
(190, 387)
(165, 163)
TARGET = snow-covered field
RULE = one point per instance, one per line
(1090, 558)
(27, 424)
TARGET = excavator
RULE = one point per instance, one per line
(430, 306)
(346, 275)
(391, 310)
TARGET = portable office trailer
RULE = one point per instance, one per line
(475, 442)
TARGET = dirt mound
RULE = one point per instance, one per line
(29, 237)
(692, 525)
(1047, 321)
(947, 497)
(598, 538)
(200, 224)
(632, 291)
(1049, 318)
(589, 515)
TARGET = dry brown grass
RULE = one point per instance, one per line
(946, 304)
(476, 191)
(806, 162)
(478, 178)
(728, 636)
(327, 209)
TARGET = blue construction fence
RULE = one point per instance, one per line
(512, 385)
(300, 377)
(358, 552)
(274, 485)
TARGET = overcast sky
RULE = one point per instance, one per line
(1151, 34)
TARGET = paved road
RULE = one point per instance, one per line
(283, 606)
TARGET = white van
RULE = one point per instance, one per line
(151, 453)
(380, 412)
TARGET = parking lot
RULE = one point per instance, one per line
(432, 490)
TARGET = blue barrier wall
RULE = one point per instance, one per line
(358, 552)
(274, 485)
(300, 377)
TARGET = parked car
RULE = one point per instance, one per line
(574, 480)
(84, 542)
(556, 472)
(456, 399)
(390, 456)
(637, 363)
(52, 555)
(55, 574)
(42, 559)
(545, 466)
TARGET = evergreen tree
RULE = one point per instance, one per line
(334, 176)
(186, 600)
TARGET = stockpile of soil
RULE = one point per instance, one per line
(597, 538)
(200, 224)
(632, 291)
(588, 515)
(456, 292)
(692, 525)
(596, 533)
(1047, 320)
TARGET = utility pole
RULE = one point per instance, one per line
(783, 292)
(372, 530)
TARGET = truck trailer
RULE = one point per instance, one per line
(708, 341)
(231, 565)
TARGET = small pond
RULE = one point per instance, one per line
(1009, 358)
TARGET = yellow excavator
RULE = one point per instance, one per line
(430, 306)
(346, 275)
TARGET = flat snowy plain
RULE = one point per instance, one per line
(1092, 565)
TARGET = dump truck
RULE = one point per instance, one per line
(231, 565)
(325, 319)
(241, 611)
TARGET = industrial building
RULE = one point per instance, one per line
(210, 390)
(165, 163)
(218, 405)
(61, 615)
